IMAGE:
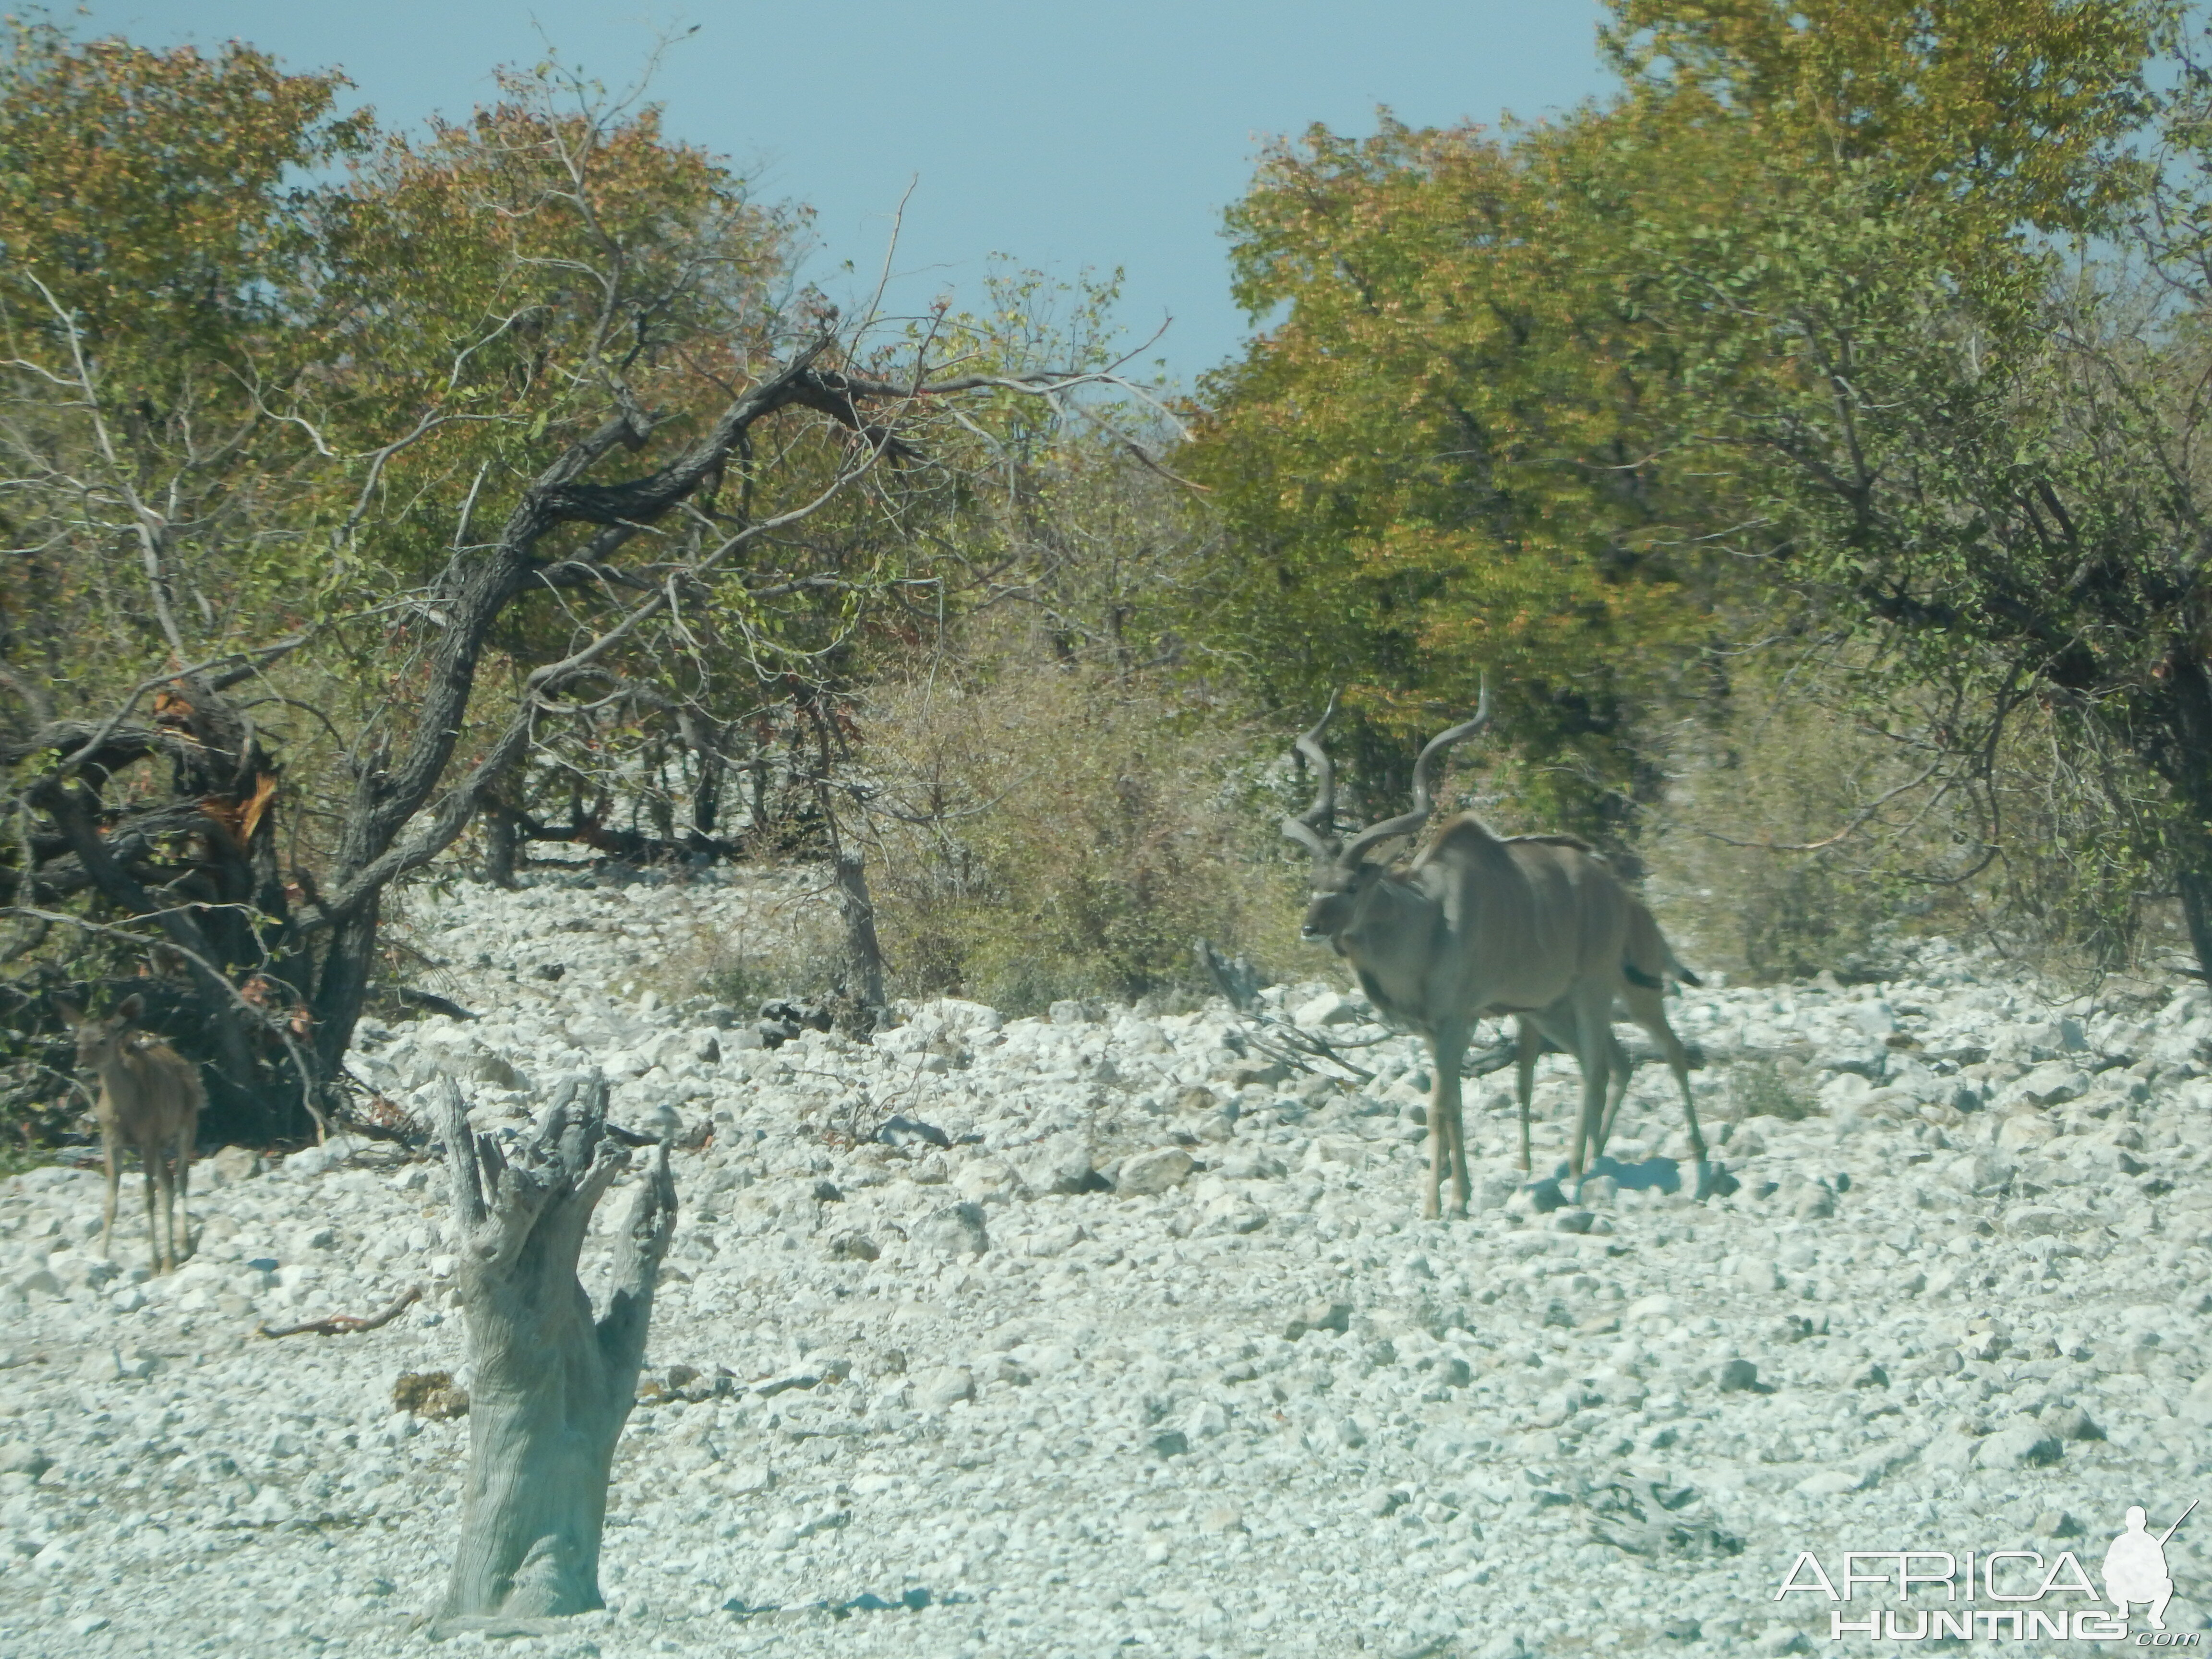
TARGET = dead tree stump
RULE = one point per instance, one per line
(552, 1386)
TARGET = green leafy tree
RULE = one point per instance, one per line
(512, 446)
(1799, 328)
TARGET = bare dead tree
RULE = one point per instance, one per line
(552, 1384)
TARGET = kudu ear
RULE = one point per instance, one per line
(70, 1013)
(134, 1007)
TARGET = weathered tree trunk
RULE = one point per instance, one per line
(501, 830)
(706, 745)
(2179, 747)
(552, 1387)
(863, 967)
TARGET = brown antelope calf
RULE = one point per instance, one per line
(149, 1097)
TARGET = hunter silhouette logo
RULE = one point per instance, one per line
(2134, 1566)
(2001, 1595)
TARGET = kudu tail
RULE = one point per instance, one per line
(1636, 975)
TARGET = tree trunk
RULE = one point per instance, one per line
(705, 744)
(551, 1387)
(2183, 752)
(863, 967)
(501, 833)
(2194, 879)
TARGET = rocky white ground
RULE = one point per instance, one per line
(1184, 1375)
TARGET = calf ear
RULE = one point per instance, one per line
(70, 1013)
(134, 1006)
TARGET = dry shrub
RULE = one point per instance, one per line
(1790, 838)
(1059, 832)
(1818, 813)
(787, 949)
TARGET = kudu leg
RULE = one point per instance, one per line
(1593, 1038)
(1622, 1070)
(1439, 1144)
(1649, 1011)
(1528, 1041)
(1446, 1125)
(1447, 1129)
(109, 1156)
(182, 1245)
(155, 1244)
(168, 1184)
(1678, 1061)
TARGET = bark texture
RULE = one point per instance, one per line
(552, 1386)
(862, 971)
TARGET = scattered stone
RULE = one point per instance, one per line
(1738, 1376)
(229, 1166)
(1321, 1317)
(23, 1458)
(954, 1230)
(1151, 1173)
(911, 1131)
(2025, 1441)
(2071, 1423)
(943, 1386)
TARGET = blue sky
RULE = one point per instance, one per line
(1063, 135)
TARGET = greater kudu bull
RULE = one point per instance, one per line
(1479, 924)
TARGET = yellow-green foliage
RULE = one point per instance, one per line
(1051, 832)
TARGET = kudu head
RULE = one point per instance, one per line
(1343, 879)
(97, 1039)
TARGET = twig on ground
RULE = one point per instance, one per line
(347, 1324)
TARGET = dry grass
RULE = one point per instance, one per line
(1051, 832)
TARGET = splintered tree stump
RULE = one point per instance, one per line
(552, 1385)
